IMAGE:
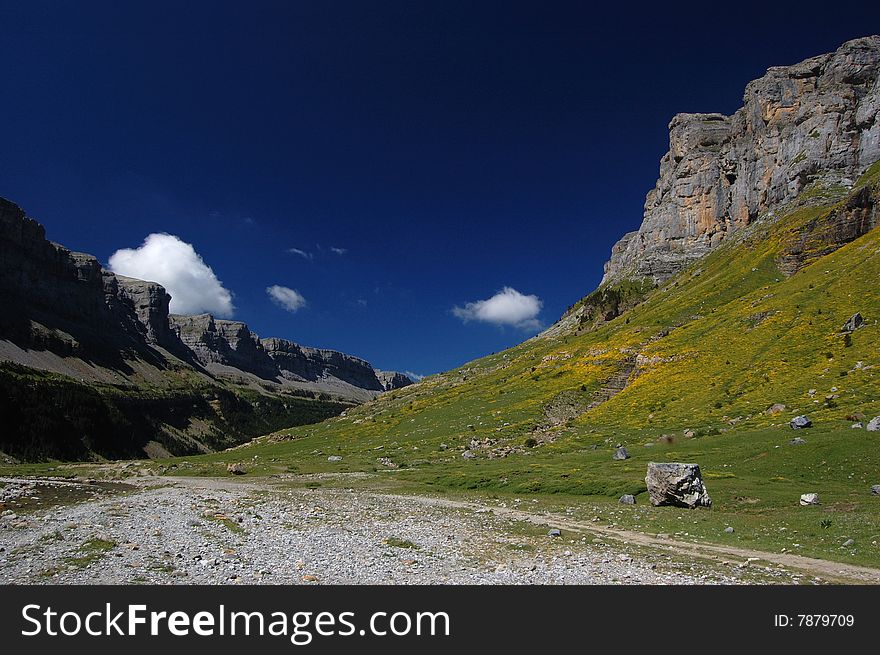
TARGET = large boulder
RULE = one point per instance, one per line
(800, 422)
(680, 485)
(854, 323)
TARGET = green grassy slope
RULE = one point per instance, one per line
(717, 346)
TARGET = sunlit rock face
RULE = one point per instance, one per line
(818, 120)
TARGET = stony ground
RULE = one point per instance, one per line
(204, 531)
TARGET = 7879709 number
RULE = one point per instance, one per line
(814, 620)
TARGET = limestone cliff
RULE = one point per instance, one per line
(393, 380)
(816, 122)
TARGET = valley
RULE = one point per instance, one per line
(737, 329)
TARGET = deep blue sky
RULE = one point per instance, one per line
(452, 148)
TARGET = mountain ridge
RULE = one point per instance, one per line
(67, 316)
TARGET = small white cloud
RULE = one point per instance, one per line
(289, 299)
(338, 251)
(415, 377)
(173, 263)
(302, 253)
(507, 307)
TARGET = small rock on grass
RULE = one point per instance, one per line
(809, 499)
(627, 499)
(848, 543)
(554, 533)
(729, 530)
(620, 454)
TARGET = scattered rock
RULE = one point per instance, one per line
(236, 469)
(809, 499)
(627, 499)
(800, 422)
(690, 434)
(729, 530)
(874, 424)
(334, 458)
(554, 533)
(857, 426)
(775, 409)
(680, 485)
(875, 490)
(469, 454)
(620, 454)
(797, 441)
(854, 323)
(848, 543)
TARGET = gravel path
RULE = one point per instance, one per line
(198, 531)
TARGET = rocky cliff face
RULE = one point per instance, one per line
(63, 301)
(393, 380)
(814, 122)
(232, 344)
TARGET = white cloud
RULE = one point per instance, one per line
(173, 263)
(338, 251)
(507, 307)
(302, 253)
(289, 299)
(415, 377)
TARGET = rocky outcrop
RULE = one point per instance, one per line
(353, 370)
(818, 120)
(230, 343)
(856, 216)
(149, 302)
(65, 302)
(391, 380)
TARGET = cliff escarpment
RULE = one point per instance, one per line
(803, 127)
